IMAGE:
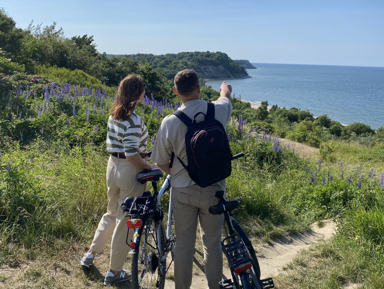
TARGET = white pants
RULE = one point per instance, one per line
(121, 183)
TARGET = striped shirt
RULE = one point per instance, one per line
(127, 136)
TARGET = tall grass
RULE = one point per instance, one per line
(52, 184)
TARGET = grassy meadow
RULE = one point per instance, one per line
(53, 191)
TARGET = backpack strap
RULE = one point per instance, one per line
(183, 117)
(211, 111)
(188, 122)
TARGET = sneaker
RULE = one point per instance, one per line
(121, 276)
(87, 260)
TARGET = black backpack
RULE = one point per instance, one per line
(208, 152)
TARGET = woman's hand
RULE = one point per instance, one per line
(140, 163)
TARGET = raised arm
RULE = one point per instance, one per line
(225, 90)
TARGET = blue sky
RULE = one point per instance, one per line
(327, 32)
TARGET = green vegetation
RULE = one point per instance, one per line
(53, 114)
(170, 64)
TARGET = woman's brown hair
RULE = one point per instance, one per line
(128, 93)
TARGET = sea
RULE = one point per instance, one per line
(345, 94)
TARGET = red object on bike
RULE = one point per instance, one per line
(133, 245)
(134, 223)
(242, 268)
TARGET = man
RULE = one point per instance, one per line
(190, 201)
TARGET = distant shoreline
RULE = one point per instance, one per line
(254, 105)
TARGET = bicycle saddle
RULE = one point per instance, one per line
(149, 175)
(224, 207)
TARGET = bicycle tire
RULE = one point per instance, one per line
(245, 281)
(146, 272)
(251, 250)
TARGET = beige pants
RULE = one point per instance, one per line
(190, 207)
(121, 183)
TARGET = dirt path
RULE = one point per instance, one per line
(272, 258)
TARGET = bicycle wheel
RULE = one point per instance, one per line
(245, 281)
(248, 244)
(148, 271)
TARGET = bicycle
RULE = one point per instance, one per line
(239, 251)
(150, 244)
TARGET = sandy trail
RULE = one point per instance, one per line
(272, 258)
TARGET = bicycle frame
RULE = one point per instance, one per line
(150, 243)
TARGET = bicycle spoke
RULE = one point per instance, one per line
(145, 264)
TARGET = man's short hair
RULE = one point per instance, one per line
(186, 81)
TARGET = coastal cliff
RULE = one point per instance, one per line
(218, 72)
(209, 65)
(246, 64)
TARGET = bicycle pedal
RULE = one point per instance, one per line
(226, 284)
(267, 283)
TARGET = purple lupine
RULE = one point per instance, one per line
(9, 167)
(382, 181)
(349, 180)
(359, 183)
(372, 173)
(329, 177)
(74, 108)
(240, 124)
(319, 162)
(276, 145)
(312, 178)
(87, 116)
(19, 90)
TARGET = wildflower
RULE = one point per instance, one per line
(276, 145)
(382, 181)
(319, 162)
(359, 184)
(9, 167)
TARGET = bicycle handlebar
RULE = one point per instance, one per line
(236, 156)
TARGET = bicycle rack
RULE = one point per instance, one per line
(236, 252)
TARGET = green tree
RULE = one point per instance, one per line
(324, 121)
(11, 37)
(358, 128)
(262, 111)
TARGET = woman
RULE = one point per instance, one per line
(126, 143)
